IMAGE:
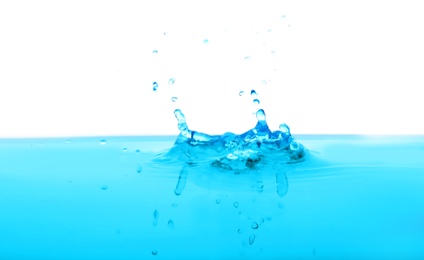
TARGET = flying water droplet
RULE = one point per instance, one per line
(102, 142)
(256, 101)
(174, 99)
(171, 81)
(155, 52)
(253, 92)
(254, 225)
(205, 41)
(284, 128)
(155, 86)
(241, 93)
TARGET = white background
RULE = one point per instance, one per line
(72, 68)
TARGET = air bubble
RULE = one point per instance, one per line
(155, 217)
(139, 168)
(236, 204)
(171, 81)
(254, 225)
(218, 201)
(171, 224)
(124, 150)
(155, 86)
(104, 187)
(154, 252)
(252, 239)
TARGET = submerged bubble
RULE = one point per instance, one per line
(104, 187)
(154, 252)
(218, 201)
(254, 225)
(171, 223)
(236, 204)
(155, 217)
(102, 142)
(252, 239)
(256, 101)
(155, 86)
(181, 181)
(139, 168)
(174, 99)
(171, 81)
(124, 150)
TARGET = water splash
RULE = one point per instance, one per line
(254, 152)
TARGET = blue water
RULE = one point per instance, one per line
(350, 197)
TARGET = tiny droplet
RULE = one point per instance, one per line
(155, 86)
(155, 52)
(154, 252)
(171, 81)
(254, 225)
(256, 102)
(174, 99)
(241, 93)
(104, 187)
(205, 41)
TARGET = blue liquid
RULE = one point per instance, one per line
(351, 197)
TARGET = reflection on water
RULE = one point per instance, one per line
(358, 197)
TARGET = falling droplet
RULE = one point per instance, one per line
(205, 41)
(155, 52)
(236, 204)
(182, 180)
(102, 142)
(241, 93)
(171, 223)
(174, 99)
(171, 81)
(155, 86)
(254, 225)
(154, 252)
(256, 102)
(252, 239)
(253, 93)
(104, 187)
(155, 217)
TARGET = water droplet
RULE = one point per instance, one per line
(174, 99)
(155, 52)
(273, 53)
(155, 217)
(104, 187)
(253, 93)
(139, 168)
(154, 252)
(254, 225)
(124, 150)
(247, 58)
(283, 17)
(205, 41)
(171, 223)
(256, 101)
(236, 204)
(102, 142)
(284, 128)
(155, 86)
(252, 239)
(171, 81)
(218, 201)
(241, 93)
